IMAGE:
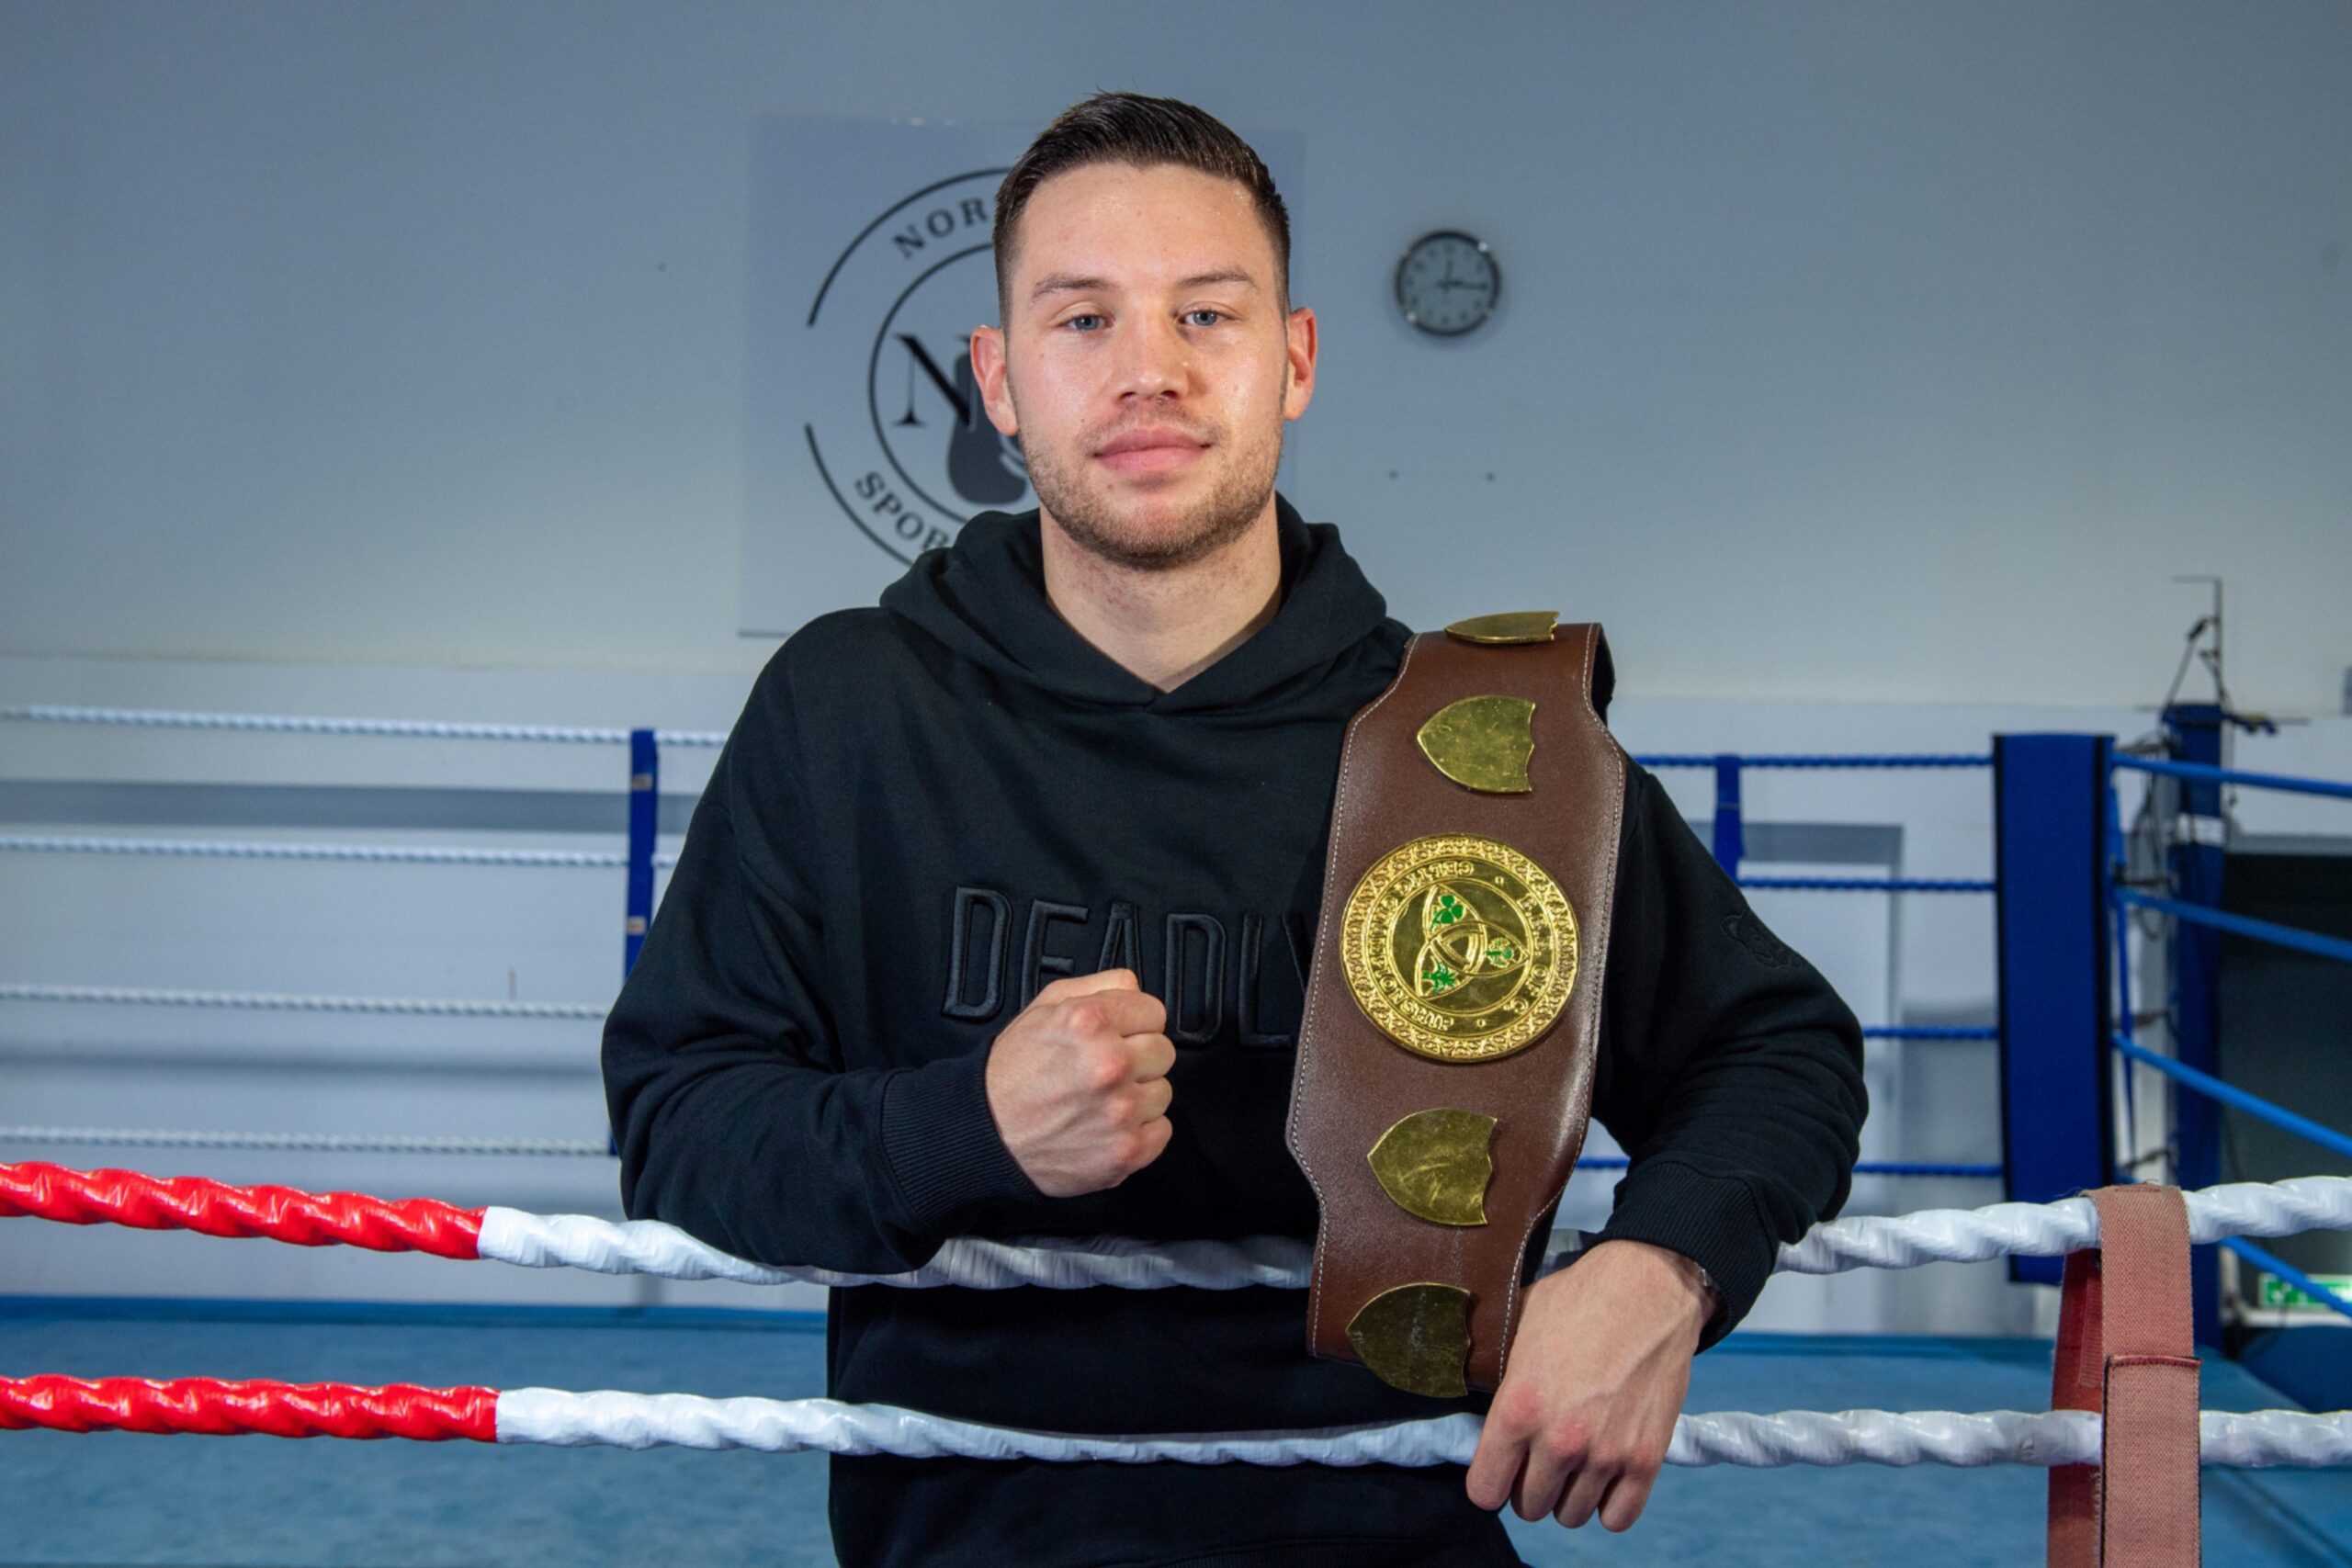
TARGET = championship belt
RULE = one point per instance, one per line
(1445, 1059)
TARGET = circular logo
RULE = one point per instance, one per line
(1459, 948)
(898, 430)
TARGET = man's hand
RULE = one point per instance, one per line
(1078, 1083)
(1596, 1377)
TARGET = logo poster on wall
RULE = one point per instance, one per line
(865, 439)
(866, 443)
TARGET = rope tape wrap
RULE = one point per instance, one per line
(650, 1246)
(212, 1408)
(215, 1208)
(215, 1407)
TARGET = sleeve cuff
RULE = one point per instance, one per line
(1711, 1220)
(940, 1144)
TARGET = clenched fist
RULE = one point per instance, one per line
(1078, 1083)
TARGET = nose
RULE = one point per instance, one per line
(1157, 360)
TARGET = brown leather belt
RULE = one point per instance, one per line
(1446, 1060)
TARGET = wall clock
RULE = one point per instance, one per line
(1447, 282)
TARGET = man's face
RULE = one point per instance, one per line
(1144, 362)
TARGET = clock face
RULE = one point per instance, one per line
(1447, 283)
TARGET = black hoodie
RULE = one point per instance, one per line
(930, 809)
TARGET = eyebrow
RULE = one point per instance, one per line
(1069, 283)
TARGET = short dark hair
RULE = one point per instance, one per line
(1127, 127)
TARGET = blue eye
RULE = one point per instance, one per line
(1215, 316)
(1074, 321)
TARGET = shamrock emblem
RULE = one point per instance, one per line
(1459, 945)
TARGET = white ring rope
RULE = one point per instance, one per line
(403, 729)
(2052, 1230)
(302, 1143)
(974, 1263)
(234, 849)
(2262, 1438)
(426, 1007)
(1903, 1241)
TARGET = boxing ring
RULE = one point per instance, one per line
(2054, 1151)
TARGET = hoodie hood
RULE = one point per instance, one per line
(984, 597)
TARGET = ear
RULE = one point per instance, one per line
(1299, 344)
(989, 370)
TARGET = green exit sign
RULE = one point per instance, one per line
(2277, 1293)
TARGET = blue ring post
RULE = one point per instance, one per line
(644, 820)
(2049, 812)
(2195, 858)
(1731, 841)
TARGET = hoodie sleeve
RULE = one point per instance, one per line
(735, 1117)
(1729, 1071)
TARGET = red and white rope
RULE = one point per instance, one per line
(213, 1407)
(648, 1246)
(551, 1415)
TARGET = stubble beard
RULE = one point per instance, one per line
(1079, 499)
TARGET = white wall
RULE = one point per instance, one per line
(1891, 352)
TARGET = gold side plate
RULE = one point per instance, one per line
(1482, 743)
(1512, 627)
(1458, 947)
(1434, 1164)
(1416, 1337)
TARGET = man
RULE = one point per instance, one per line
(995, 916)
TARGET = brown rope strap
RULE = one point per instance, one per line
(2125, 1350)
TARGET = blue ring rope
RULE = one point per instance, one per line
(2288, 1273)
(1869, 883)
(1932, 1032)
(2212, 1088)
(2334, 947)
(2198, 772)
(1814, 760)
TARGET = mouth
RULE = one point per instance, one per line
(1149, 452)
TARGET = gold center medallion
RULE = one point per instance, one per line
(1459, 948)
